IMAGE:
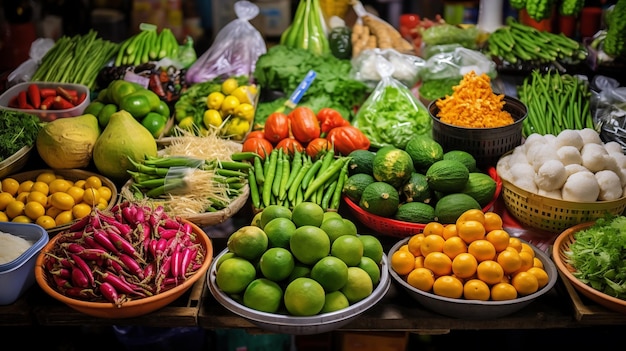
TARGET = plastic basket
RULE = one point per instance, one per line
(402, 229)
(485, 144)
(554, 215)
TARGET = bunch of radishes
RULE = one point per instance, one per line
(135, 252)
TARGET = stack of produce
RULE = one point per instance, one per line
(226, 105)
(555, 102)
(473, 258)
(299, 262)
(146, 46)
(574, 165)
(142, 103)
(76, 59)
(418, 184)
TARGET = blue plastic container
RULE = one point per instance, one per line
(18, 275)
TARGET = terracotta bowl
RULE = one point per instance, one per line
(561, 245)
(133, 308)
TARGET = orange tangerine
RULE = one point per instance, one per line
(525, 283)
(431, 243)
(470, 230)
(439, 263)
(449, 230)
(9, 185)
(472, 215)
(510, 261)
(490, 272)
(540, 274)
(454, 246)
(482, 249)
(476, 289)
(414, 244)
(402, 262)
(515, 243)
(503, 291)
(464, 265)
(493, 221)
(499, 238)
(448, 286)
(421, 278)
(433, 228)
(527, 261)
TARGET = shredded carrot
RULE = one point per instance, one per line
(473, 104)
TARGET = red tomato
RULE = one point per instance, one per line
(330, 118)
(289, 145)
(304, 124)
(316, 146)
(276, 127)
(259, 145)
(256, 134)
(347, 139)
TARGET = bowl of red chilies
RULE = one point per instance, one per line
(126, 262)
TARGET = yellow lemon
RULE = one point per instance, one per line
(62, 201)
(214, 100)
(243, 94)
(93, 182)
(228, 106)
(212, 117)
(229, 85)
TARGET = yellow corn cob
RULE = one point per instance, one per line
(337, 8)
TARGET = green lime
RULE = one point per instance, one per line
(309, 244)
(105, 114)
(307, 213)
(154, 123)
(372, 247)
(299, 271)
(256, 220)
(359, 285)
(137, 104)
(94, 108)
(330, 214)
(120, 88)
(274, 211)
(348, 248)
(223, 258)
(263, 295)
(335, 301)
(279, 232)
(304, 297)
(336, 227)
(234, 275)
(163, 109)
(371, 267)
(276, 263)
(249, 242)
(331, 273)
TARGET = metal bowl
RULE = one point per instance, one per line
(296, 325)
(474, 309)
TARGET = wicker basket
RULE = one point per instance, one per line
(15, 162)
(485, 144)
(402, 229)
(554, 215)
(560, 247)
(73, 175)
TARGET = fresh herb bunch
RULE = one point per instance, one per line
(599, 256)
(17, 129)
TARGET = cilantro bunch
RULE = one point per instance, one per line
(17, 129)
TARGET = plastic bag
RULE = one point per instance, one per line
(25, 71)
(391, 115)
(609, 111)
(457, 63)
(406, 67)
(234, 51)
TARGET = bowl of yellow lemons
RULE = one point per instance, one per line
(472, 269)
(300, 271)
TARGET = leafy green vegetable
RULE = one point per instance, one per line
(599, 255)
(437, 88)
(282, 68)
(17, 129)
(392, 116)
(450, 34)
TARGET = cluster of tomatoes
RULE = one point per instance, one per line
(303, 130)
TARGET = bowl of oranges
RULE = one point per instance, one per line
(472, 269)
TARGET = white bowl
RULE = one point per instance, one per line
(296, 325)
(474, 309)
(18, 275)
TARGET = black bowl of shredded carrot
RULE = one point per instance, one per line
(477, 120)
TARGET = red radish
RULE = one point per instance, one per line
(167, 233)
(79, 225)
(79, 278)
(108, 291)
(91, 243)
(132, 265)
(84, 267)
(102, 238)
(120, 243)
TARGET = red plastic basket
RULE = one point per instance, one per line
(402, 229)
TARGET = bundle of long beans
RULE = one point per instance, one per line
(77, 59)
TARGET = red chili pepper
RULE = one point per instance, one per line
(22, 100)
(61, 103)
(46, 104)
(34, 95)
(47, 92)
(68, 94)
(81, 98)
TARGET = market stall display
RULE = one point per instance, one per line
(47, 100)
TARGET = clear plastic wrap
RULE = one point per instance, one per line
(609, 110)
(406, 67)
(234, 51)
(456, 63)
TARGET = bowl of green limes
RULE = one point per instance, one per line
(310, 283)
